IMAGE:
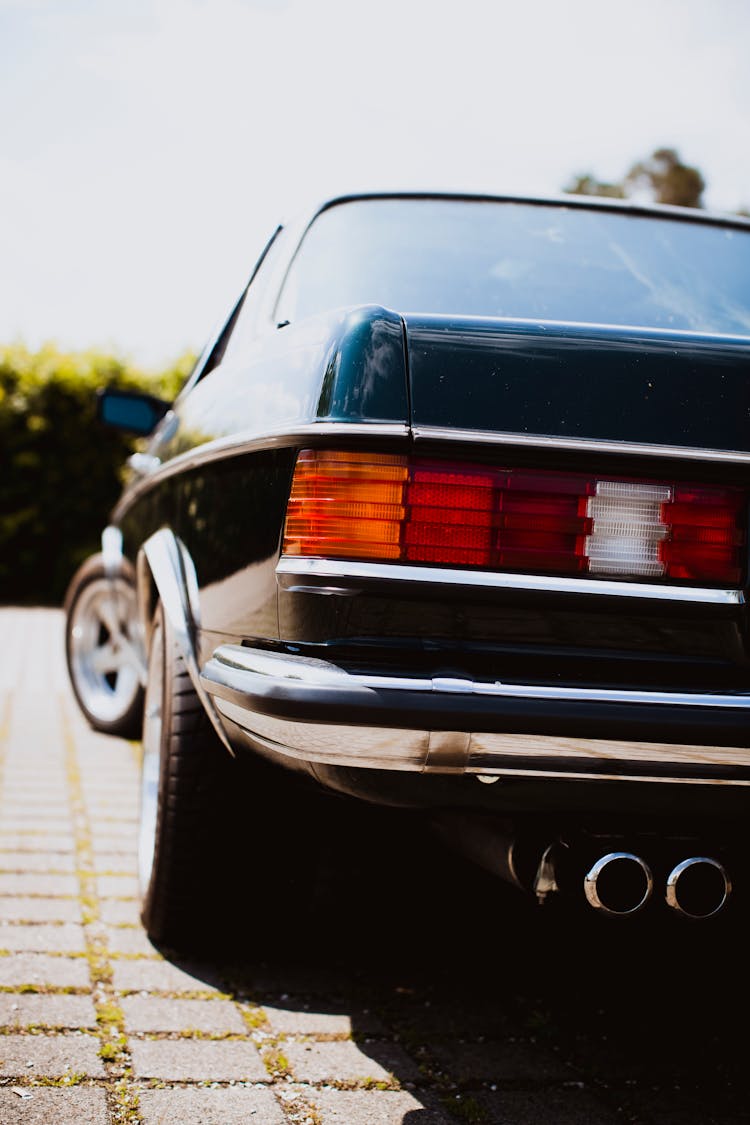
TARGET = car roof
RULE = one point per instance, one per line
(588, 202)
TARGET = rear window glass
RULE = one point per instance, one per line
(518, 260)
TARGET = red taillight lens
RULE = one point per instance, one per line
(390, 507)
(450, 516)
(706, 534)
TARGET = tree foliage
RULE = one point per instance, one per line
(585, 183)
(662, 178)
(59, 468)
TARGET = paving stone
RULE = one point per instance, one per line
(45, 788)
(545, 1107)
(121, 939)
(152, 1013)
(321, 1062)
(157, 976)
(291, 1021)
(113, 826)
(120, 913)
(118, 829)
(43, 939)
(283, 981)
(112, 787)
(46, 862)
(24, 1009)
(29, 826)
(21, 801)
(682, 1106)
(374, 1107)
(450, 1018)
(79, 1105)
(113, 814)
(474, 1063)
(44, 842)
(99, 824)
(19, 909)
(35, 884)
(122, 863)
(35, 813)
(50, 1056)
(114, 845)
(184, 1060)
(117, 886)
(39, 969)
(21, 787)
(200, 1106)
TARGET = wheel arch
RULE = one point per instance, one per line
(165, 573)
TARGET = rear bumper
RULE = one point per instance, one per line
(317, 712)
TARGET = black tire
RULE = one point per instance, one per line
(203, 887)
(179, 887)
(111, 700)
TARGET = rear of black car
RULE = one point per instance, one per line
(543, 585)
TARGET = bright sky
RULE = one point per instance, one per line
(149, 147)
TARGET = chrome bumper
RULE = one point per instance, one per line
(317, 712)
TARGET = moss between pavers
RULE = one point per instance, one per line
(190, 1033)
(122, 1099)
(275, 1061)
(46, 989)
(465, 1108)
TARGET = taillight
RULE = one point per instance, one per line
(347, 505)
(407, 509)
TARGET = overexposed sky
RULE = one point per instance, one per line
(149, 147)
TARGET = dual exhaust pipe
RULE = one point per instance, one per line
(621, 883)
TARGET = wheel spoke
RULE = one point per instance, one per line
(129, 656)
(106, 659)
(109, 618)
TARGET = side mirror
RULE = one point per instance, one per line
(130, 410)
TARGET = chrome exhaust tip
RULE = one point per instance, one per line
(619, 884)
(698, 887)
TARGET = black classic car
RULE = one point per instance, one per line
(450, 516)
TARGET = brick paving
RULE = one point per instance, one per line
(500, 1019)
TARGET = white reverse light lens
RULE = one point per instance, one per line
(627, 528)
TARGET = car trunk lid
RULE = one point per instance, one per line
(619, 384)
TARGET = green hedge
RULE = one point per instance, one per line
(60, 470)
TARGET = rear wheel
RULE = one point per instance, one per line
(227, 847)
(101, 648)
(186, 788)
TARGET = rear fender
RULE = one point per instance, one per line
(165, 572)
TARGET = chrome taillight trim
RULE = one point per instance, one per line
(590, 445)
(293, 570)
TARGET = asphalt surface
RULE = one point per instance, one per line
(430, 994)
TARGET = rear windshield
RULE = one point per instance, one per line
(527, 261)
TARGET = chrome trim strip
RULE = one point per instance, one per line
(562, 775)
(593, 445)
(486, 746)
(248, 441)
(230, 660)
(295, 567)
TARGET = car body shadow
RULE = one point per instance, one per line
(479, 1006)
